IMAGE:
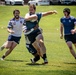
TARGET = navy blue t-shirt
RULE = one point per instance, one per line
(68, 23)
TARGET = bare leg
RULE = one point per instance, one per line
(75, 45)
(75, 48)
(40, 41)
(3, 46)
(71, 49)
(41, 47)
(37, 47)
(12, 46)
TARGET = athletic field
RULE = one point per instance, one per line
(61, 62)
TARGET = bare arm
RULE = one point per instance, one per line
(61, 31)
(73, 30)
(10, 30)
(31, 17)
(49, 13)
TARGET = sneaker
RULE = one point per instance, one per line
(45, 62)
(1, 48)
(32, 60)
(2, 59)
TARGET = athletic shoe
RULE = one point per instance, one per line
(32, 60)
(2, 59)
(1, 48)
(45, 61)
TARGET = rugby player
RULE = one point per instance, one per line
(36, 37)
(15, 29)
(68, 23)
(30, 48)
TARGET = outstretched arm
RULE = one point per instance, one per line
(28, 18)
(49, 13)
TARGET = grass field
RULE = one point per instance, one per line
(18, 62)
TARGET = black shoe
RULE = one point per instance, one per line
(45, 61)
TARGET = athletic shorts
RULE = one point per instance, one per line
(14, 38)
(71, 37)
(31, 49)
(32, 36)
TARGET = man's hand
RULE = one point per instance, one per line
(12, 32)
(55, 12)
(73, 31)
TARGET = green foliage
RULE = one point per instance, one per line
(18, 62)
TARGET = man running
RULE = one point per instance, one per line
(15, 29)
(68, 23)
(36, 37)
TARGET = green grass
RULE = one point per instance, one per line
(18, 62)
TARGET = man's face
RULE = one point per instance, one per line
(16, 15)
(65, 14)
(31, 10)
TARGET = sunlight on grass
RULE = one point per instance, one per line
(18, 62)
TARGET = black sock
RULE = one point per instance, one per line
(44, 56)
(3, 56)
(36, 58)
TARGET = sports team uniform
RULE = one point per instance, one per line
(16, 26)
(31, 33)
(69, 24)
(29, 46)
(31, 25)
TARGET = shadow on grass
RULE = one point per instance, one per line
(70, 63)
(56, 65)
(17, 60)
(35, 64)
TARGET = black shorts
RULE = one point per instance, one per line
(14, 38)
(31, 49)
(32, 36)
(71, 37)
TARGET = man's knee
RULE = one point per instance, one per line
(70, 47)
(41, 42)
(7, 47)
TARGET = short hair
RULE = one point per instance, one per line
(15, 11)
(33, 6)
(67, 10)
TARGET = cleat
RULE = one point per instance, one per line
(2, 59)
(32, 60)
(1, 48)
(45, 62)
